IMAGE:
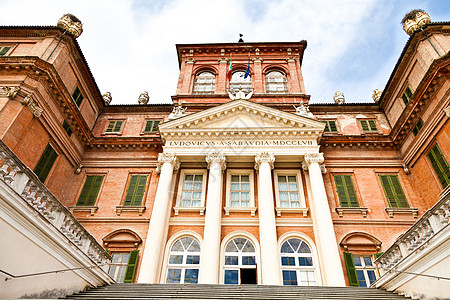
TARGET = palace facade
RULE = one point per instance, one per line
(241, 180)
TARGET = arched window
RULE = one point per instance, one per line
(184, 260)
(297, 263)
(238, 82)
(276, 83)
(205, 83)
(240, 262)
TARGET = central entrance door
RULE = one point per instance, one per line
(240, 262)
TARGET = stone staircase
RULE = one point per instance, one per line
(220, 291)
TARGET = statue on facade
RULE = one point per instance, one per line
(303, 110)
(107, 98)
(177, 112)
(240, 95)
(339, 97)
(71, 24)
(376, 95)
(143, 98)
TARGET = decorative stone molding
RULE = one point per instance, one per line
(143, 98)
(32, 106)
(264, 157)
(397, 210)
(223, 60)
(71, 24)
(313, 158)
(323, 168)
(251, 210)
(303, 110)
(339, 97)
(290, 60)
(178, 209)
(189, 60)
(415, 19)
(358, 210)
(107, 98)
(120, 208)
(376, 95)
(406, 169)
(177, 112)
(78, 169)
(167, 158)
(9, 92)
(257, 60)
(447, 111)
(240, 95)
(90, 209)
(305, 167)
(216, 157)
(292, 210)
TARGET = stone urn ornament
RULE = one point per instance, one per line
(143, 98)
(107, 98)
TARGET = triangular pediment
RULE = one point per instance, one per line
(241, 115)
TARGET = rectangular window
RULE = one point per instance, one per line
(231, 277)
(393, 191)
(114, 126)
(288, 191)
(77, 96)
(346, 191)
(90, 190)
(289, 277)
(136, 190)
(66, 128)
(192, 190)
(45, 163)
(151, 126)
(407, 95)
(240, 191)
(440, 165)
(418, 126)
(120, 261)
(330, 126)
(368, 125)
(4, 50)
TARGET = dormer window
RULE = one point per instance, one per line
(205, 83)
(276, 83)
(407, 95)
(239, 82)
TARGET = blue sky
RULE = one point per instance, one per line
(353, 45)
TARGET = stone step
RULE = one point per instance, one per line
(220, 291)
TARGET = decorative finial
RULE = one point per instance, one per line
(143, 98)
(339, 97)
(71, 24)
(240, 38)
(303, 110)
(376, 95)
(415, 19)
(107, 98)
(177, 112)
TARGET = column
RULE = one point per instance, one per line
(326, 238)
(159, 222)
(270, 256)
(210, 255)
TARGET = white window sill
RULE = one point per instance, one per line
(352, 210)
(140, 209)
(229, 209)
(397, 210)
(200, 209)
(90, 209)
(292, 210)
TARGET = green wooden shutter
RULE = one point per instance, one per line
(364, 125)
(332, 126)
(77, 96)
(440, 165)
(45, 163)
(346, 191)
(90, 190)
(111, 125)
(131, 267)
(351, 270)
(418, 126)
(373, 125)
(155, 127)
(148, 126)
(118, 126)
(66, 128)
(135, 191)
(4, 50)
(393, 191)
(130, 191)
(398, 191)
(376, 255)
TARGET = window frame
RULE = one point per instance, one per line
(238, 85)
(386, 196)
(201, 209)
(336, 192)
(79, 207)
(407, 96)
(109, 121)
(52, 164)
(123, 266)
(151, 120)
(419, 125)
(369, 127)
(441, 167)
(327, 125)
(76, 100)
(11, 47)
(183, 266)
(197, 84)
(302, 201)
(127, 186)
(65, 125)
(285, 82)
(251, 208)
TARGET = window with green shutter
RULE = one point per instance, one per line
(440, 165)
(407, 95)
(77, 96)
(151, 126)
(393, 191)
(45, 163)
(346, 191)
(4, 50)
(90, 190)
(418, 126)
(136, 190)
(351, 270)
(131, 267)
(66, 128)
(330, 126)
(114, 126)
(368, 125)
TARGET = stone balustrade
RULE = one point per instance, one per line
(23, 181)
(431, 223)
